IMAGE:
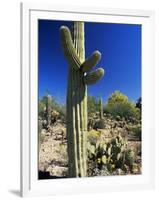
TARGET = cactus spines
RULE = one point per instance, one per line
(74, 51)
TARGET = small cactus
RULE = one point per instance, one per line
(48, 109)
(101, 123)
(101, 109)
(129, 157)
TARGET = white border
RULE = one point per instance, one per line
(30, 186)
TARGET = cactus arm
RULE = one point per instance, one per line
(93, 77)
(71, 54)
(91, 61)
(68, 47)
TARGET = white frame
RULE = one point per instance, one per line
(30, 186)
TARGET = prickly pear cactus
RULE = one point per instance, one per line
(79, 77)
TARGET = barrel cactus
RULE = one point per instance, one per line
(79, 77)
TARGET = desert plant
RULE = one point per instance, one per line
(100, 124)
(78, 79)
(54, 116)
(136, 130)
(40, 136)
(139, 103)
(101, 109)
(129, 158)
(101, 121)
(41, 109)
(48, 103)
(110, 156)
(93, 105)
(119, 105)
(93, 136)
(48, 109)
(90, 123)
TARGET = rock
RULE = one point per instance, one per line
(43, 132)
(105, 133)
(57, 170)
(118, 118)
(53, 151)
(48, 134)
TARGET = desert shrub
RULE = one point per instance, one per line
(93, 136)
(100, 124)
(93, 105)
(108, 157)
(41, 108)
(139, 103)
(91, 123)
(119, 105)
(61, 109)
(54, 116)
(136, 130)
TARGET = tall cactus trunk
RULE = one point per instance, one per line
(101, 109)
(77, 109)
(78, 80)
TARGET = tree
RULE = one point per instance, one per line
(117, 97)
(139, 103)
(118, 104)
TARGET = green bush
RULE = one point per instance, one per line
(93, 105)
(136, 130)
(101, 124)
(41, 109)
(119, 105)
(93, 136)
(61, 109)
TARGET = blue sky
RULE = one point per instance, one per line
(119, 44)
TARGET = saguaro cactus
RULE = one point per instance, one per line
(78, 79)
(48, 109)
(101, 109)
